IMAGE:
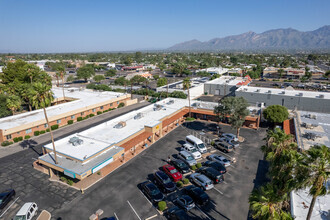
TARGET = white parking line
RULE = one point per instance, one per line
(151, 217)
(225, 182)
(203, 212)
(228, 174)
(218, 190)
(133, 210)
(214, 203)
(146, 198)
(116, 216)
(8, 207)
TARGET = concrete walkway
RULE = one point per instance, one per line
(68, 130)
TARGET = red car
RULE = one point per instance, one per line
(172, 172)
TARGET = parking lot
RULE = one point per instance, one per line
(118, 194)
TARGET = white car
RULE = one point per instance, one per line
(27, 211)
(229, 136)
(219, 159)
(192, 150)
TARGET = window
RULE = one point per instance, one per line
(18, 132)
(27, 131)
(58, 121)
(72, 116)
(111, 104)
(82, 113)
(8, 137)
(46, 125)
(94, 110)
(117, 102)
(101, 107)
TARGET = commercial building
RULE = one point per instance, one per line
(225, 85)
(214, 70)
(82, 154)
(292, 73)
(79, 103)
(290, 98)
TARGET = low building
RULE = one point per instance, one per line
(225, 85)
(214, 70)
(290, 98)
(235, 71)
(79, 103)
(292, 73)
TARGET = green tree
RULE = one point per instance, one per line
(70, 78)
(4, 111)
(155, 77)
(85, 72)
(42, 98)
(161, 82)
(186, 86)
(111, 73)
(162, 66)
(316, 170)
(280, 72)
(179, 68)
(13, 103)
(308, 74)
(98, 78)
(276, 113)
(235, 108)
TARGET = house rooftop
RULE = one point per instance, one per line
(228, 80)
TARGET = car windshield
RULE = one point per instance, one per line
(225, 160)
(193, 150)
(20, 217)
(181, 164)
(154, 190)
(190, 157)
(201, 146)
(167, 180)
(173, 171)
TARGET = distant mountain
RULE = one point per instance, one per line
(278, 39)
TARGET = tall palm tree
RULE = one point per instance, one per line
(266, 204)
(61, 72)
(42, 98)
(57, 75)
(186, 86)
(146, 80)
(316, 170)
(13, 103)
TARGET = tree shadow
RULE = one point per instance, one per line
(30, 144)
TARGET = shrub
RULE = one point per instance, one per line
(63, 179)
(99, 112)
(91, 115)
(121, 105)
(190, 119)
(36, 133)
(20, 138)
(6, 143)
(185, 181)
(70, 122)
(205, 93)
(212, 143)
(198, 165)
(70, 182)
(179, 184)
(162, 205)
(54, 127)
(79, 119)
(42, 132)
(16, 139)
(105, 111)
(47, 130)
(27, 137)
(193, 167)
(99, 173)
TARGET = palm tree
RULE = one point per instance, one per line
(266, 204)
(316, 170)
(13, 103)
(146, 80)
(61, 72)
(57, 75)
(186, 86)
(42, 97)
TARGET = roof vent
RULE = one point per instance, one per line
(300, 94)
(283, 92)
(75, 141)
(157, 107)
(321, 96)
(138, 116)
(120, 124)
(170, 102)
(258, 90)
(269, 91)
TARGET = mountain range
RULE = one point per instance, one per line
(277, 39)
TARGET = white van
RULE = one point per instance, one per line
(198, 143)
(27, 211)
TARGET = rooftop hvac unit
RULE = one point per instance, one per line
(321, 96)
(300, 94)
(75, 141)
(269, 91)
(157, 107)
(258, 90)
(283, 92)
(120, 124)
(170, 102)
(138, 116)
(245, 89)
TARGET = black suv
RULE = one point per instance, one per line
(181, 166)
(152, 192)
(197, 194)
(215, 165)
(5, 197)
(211, 173)
(165, 183)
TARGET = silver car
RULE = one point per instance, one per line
(201, 180)
(219, 159)
(233, 143)
(187, 158)
(229, 136)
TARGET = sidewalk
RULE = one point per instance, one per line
(68, 130)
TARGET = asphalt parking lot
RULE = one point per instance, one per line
(118, 194)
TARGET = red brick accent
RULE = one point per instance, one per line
(136, 140)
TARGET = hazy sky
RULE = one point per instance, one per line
(106, 25)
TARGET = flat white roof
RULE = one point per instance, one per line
(85, 98)
(293, 92)
(100, 137)
(228, 80)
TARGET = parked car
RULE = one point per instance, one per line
(5, 197)
(175, 213)
(220, 159)
(233, 143)
(196, 142)
(152, 192)
(222, 145)
(173, 173)
(27, 211)
(185, 202)
(201, 180)
(164, 182)
(213, 174)
(229, 136)
(215, 165)
(192, 150)
(181, 166)
(187, 158)
(197, 194)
